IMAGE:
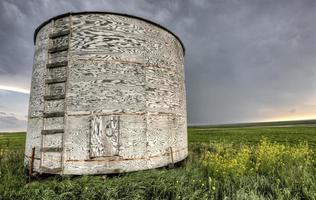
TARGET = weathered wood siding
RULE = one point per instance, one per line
(104, 136)
(36, 103)
(124, 106)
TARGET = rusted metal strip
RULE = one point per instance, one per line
(80, 113)
(56, 80)
(59, 34)
(32, 162)
(87, 113)
(58, 49)
(171, 165)
(54, 114)
(54, 97)
(52, 149)
(57, 64)
(120, 158)
(54, 131)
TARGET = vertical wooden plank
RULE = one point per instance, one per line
(104, 136)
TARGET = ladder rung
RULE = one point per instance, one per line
(59, 34)
(58, 49)
(52, 149)
(57, 64)
(49, 170)
(53, 131)
(54, 97)
(56, 80)
(54, 114)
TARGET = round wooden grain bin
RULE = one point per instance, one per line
(107, 96)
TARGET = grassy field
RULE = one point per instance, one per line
(252, 135)
(261, 161)
(12, 140)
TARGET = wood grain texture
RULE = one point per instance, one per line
(104, 95)
(54, 106)
(124, 95)
(52, 141)
(36, 104)
(61, 24)
(56, 89)
(51, 160)
(61, 33)
(58, 57)
(104, 136)
(77, 138)
(54, 123)
(115, 37)
(133, 140)
(57, 64)
(57, 72)
(33, 139)
(59, 42)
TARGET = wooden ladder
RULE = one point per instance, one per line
(52, 134)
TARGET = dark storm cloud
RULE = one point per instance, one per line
(254, 55)
(245, 59)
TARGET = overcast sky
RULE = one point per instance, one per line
(246, 60)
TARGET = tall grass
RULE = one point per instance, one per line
(212, 171)
(265, 171)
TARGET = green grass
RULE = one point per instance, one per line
(223, 163)
(252, 135)
(12, 140)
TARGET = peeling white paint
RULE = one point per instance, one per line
(124, 104)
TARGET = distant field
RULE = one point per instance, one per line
(251, 135)
(261, 124)
(292, 132)
(12, 140)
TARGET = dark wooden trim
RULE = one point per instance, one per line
(57, 64)
(59, 34)
(52, 149)
(58, 49)
(54, 114)
(32, 162)
(54, 97)
(171, 165)
(53, 131)
(56, 80)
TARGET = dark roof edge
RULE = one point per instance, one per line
(103, 12)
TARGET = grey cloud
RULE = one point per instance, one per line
(252, 55)
(9, 122)
(242, 56)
